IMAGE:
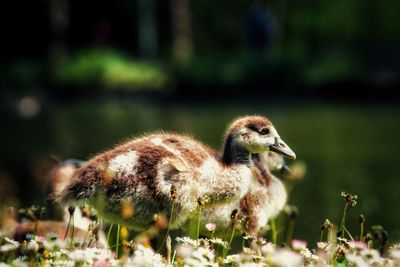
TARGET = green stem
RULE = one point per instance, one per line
(230, 241)
(321, 236)
(329, 236)
(72, 231)
(117, 247)
(290, 231)
(198, 224)
(361, 231)
(109, 234)
(274, 231)
(342, 224)
(173, 257)
(84, 240)
(348, 233)
(168, 227)
(69, 223)
(227, 232)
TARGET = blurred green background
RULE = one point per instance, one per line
(78, 77)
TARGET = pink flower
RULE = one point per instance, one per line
(211, 227)
(299, 244)
(358, 245)
(101, 263)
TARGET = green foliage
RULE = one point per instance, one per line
(109, 69)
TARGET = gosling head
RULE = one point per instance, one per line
(272, 161)
(253, 134)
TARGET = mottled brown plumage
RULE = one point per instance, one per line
(143, 171)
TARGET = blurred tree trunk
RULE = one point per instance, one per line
(59, 22)
(181, 30)
(147, 29)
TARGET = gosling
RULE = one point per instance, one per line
(161, 173)
(262, 202)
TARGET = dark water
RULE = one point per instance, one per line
(345, 147)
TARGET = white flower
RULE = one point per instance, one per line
(184, 250)
(371, 256)
(187, 240)
(79, 256)
(11, 241)
(55, 244)
(251, 264)
(201, 257)
(7, 247)
(33, 245)
(286, 258)
(61, 262)
(40, 239)
(308, 255)
(204, 252)
(219, 242)
(268, 248)
(394, 252)
(19, 262)
(90, 255)
(232, 258)
(10, 245)
(144, 257)
(356, 260)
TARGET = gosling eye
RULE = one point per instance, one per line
(264, 131)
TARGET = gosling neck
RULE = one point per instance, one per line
(263, 175)
(234, 154)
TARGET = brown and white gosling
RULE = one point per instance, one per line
(160, 172)
(262, 202)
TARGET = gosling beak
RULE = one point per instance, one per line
(281, 148)
(285, 170)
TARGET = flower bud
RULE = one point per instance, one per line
(234, 214)
(173, 192)
(339, 233)
(361, 218)
(353, 203)
(71, 210)
(200, 201)
(368, 237)
(327, 225)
